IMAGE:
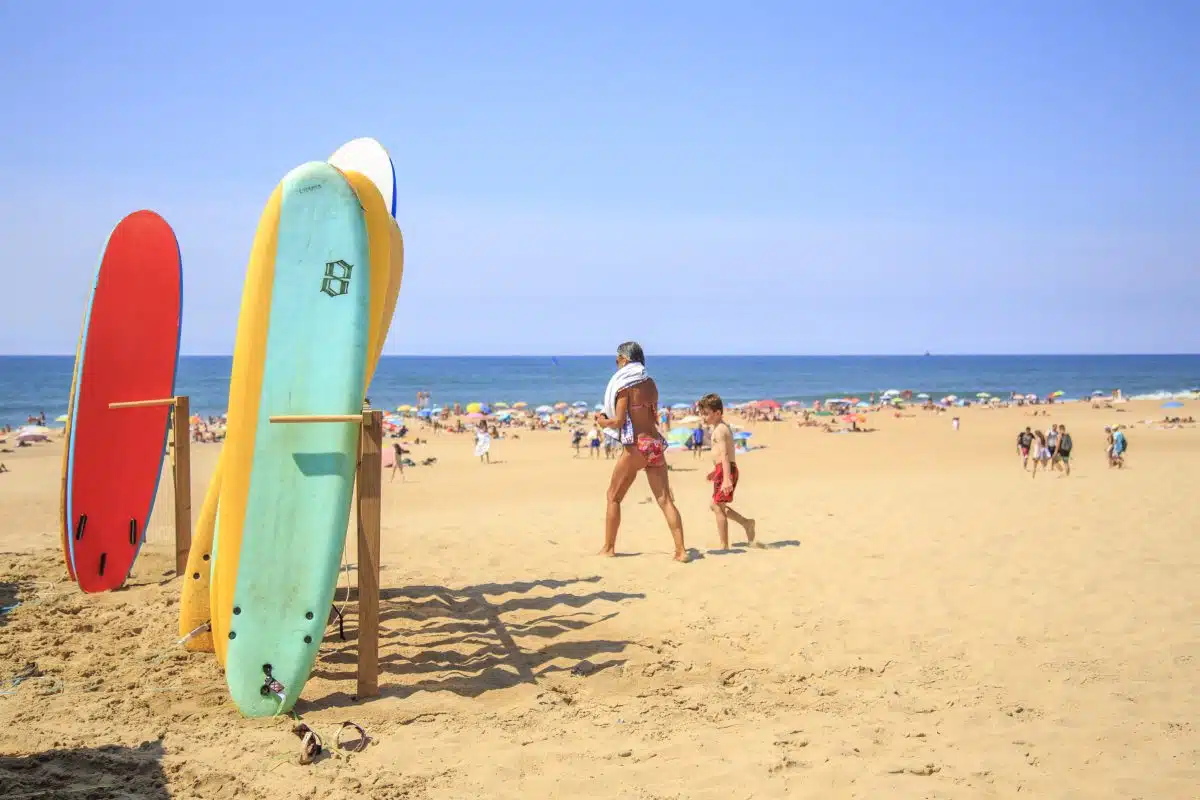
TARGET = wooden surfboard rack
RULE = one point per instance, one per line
(369, 489)
(181, 472)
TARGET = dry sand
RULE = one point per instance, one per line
(928, 622)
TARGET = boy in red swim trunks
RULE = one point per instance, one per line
(724, 476)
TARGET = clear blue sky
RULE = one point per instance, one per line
(858, 177)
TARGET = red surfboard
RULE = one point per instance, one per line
(128, 351)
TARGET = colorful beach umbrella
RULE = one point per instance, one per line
(520, 404)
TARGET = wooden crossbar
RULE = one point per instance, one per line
(166, 401)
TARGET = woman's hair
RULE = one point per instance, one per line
(632, 351)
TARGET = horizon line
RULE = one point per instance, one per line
(684, 355)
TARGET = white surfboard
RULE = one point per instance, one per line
(367, 156)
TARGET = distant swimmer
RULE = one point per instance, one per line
(631, 411)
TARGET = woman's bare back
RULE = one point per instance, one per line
(643, 407)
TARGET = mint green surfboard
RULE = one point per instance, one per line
(302, 475)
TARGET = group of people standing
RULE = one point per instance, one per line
(1050, 450)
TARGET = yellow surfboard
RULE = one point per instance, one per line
(245, 389)
(383, 292)
(194, 599)
(246, 382)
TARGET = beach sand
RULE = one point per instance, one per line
(927, 622)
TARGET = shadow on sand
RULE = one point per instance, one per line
(99, 773)
(772, 545)
(476, 639)
(10, 594)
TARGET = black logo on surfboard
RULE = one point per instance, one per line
(337, 278)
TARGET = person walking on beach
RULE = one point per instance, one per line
(1119, 446)
(1024, 442)
(1062, 453)
(1038, 452)
(483, 443)
(630, 407)
(697, 440)
(724, 476)
(1051, 446)
(397, 460)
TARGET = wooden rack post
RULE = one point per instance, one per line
(369, 485)
(181, 472)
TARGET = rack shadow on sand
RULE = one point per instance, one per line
(109, 771)
(10, 598)
(434, 638)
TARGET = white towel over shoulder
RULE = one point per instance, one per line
(631, 374)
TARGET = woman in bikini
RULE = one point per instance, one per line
(636, 417)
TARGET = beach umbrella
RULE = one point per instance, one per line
(679, 436)
(425, 412)
(501, 404)
(579, 404)
(560, 405)
(1172, 404)
(520, 404)
(922, 396)
(772, 404)
(891, 393)
(982, 395)
(598, 407)
(1059, 393)
(32, 433)
(950, 398)
(863, 404)
(63, 418)
(681, 406)
(543, 409)
(792, 404)
(404, 408)
(473, 408)
(1098, 393)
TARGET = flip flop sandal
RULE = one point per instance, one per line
(354, 746)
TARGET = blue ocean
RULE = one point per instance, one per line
(30, 384)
